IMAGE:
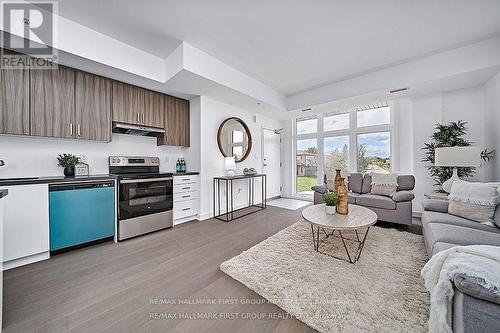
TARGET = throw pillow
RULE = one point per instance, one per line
(384, 184)
(473, 201)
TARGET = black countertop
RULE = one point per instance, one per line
(3, 193)
(185, 173)
(51, 180)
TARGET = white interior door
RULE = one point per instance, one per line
(271, 155)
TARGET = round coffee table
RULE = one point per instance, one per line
(358, 218)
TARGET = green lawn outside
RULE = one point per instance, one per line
(304, 183)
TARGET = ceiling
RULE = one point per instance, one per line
(293, 45)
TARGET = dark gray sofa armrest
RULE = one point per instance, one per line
(435, 205)
(320, 189)
(401, 196)
(472, 287)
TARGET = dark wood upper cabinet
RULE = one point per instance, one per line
(128, 103)
(93, 107)
(154, 109)
(176, 123)
(52, 102)
(14, 100)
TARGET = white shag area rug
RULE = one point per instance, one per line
(382, 292)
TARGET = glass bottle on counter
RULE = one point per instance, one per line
(183, 165)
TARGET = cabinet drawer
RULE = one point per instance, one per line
(187, 179)
(183, 196)
(185, 208)
(181, 188)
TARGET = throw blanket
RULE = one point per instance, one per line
(480, 262)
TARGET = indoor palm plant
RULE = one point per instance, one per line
(331, 200)
(68, 162)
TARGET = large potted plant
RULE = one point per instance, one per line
(331, 201)
(68, 162)
(449, 135)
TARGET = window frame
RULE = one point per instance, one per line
(352, 132)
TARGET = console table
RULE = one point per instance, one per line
(230, 212)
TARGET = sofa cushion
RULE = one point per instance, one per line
(435, 205)
(367, 184)
(351, 197)
(406, 182)
(473, 287)
(320, 189)
(377, 201)
(355, 182)
(441, 246)
(444, 218)
(447, 233)
(401, 196)
(496, 218)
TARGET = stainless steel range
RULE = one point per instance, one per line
(145, 196)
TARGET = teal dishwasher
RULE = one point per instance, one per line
(81, 213)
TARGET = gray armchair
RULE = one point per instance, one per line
(397, 209)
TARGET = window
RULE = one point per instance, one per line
(336, 153)
(374, 152)
(306, 165)
(355, 139)
(373, 117)
(336, 122)
(306, 126)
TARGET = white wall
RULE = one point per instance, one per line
(492, 124)
(32, 156)
(212, 162)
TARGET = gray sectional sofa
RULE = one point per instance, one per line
(475, 309)
(397, 209)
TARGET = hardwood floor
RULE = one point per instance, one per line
(127, 287)
(130, 286)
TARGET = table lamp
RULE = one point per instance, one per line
(229, 165)
(456, 157)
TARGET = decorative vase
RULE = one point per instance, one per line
(337, 181)
(69, 171)
(342, 206)
(330, 210)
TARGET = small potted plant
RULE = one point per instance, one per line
(68, 162)
(331, 200)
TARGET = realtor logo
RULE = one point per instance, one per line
(28, 28)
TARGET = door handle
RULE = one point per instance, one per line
(265, 164)
(71, 129)
(78, 129)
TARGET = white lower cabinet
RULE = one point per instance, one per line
(25, 225)
(186, 203)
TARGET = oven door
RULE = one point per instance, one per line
(138, 197)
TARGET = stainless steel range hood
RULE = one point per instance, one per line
(137, 129)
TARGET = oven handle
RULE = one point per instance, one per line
(145, 180)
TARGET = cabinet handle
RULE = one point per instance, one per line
(71, 129)
(186, 188)
(186, 209)
(186, 196)
(143, 119)
(138, 115)
(78, 129)
(187, 179)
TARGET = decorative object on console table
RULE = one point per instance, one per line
(331, 201)
(68, 162)
(250, 171)
(229, 166)
(342, 206)
(456, 157)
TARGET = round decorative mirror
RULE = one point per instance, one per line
(234, 139)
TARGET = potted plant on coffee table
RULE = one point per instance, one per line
(331, 200)
(68, 162)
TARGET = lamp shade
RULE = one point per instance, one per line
(457, 156)
(229, 163)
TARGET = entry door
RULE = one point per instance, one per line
(271, 154)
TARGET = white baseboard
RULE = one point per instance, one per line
(25, 260)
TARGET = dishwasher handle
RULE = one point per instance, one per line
(80, 186)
